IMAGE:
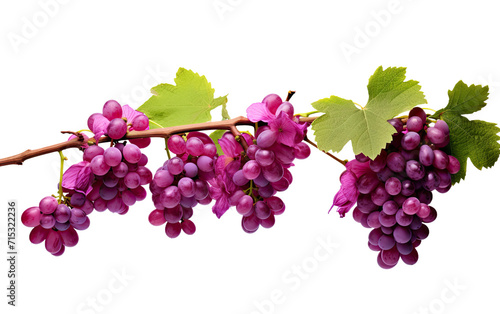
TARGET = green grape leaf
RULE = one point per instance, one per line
(189, 101)
(215, 136)
(465, 99)
(474, 139)
(366, 128)
(225, 114)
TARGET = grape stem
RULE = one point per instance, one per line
(79, 141)
(343, 162)
(61, 176)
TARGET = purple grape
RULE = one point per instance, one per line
(444, 178)
(252, 149)
(132, 153)
(402, 234)
(201, 189)
(195, 146)
(190, 169)
(384, 174)
(390, 207)
(205, 163)
(112, 110)
(424, 211)
(453, 165)
(386, 242)
(373, 219)
(302, 150)
(403, 219)
(264, 157)
(407, 188)
(441, 159)
(176, 144)
(415, 170)
(107, 193)
(404, 248)
(419, 112)
(91, 152)
(251, 170)
(31, 217)
(117, 128)
(426, 156)
(47, 221)
(414, 124)
(175, 165)
(387, 220)
(435, 135)
(379, 196)
(410, 141)
(365, 204)
(174, 214)
(367, 183)
(112, 156)
(163, 178)
(443, 126)
(362, 158)
(431, 181)
(140, 123)
(272, 102)
(268, 222)
(379, 162)
(245, 205)
(390, 257)
(250, 224)
(187, 187)
(188, 227)
(172, 230)
(62, 213)
(132, 180)
(396, 162)
(393, 186)
(397, 124)
(432, 215)
(411, 206)
(374, 236)
(170, 197)
(239, 178)
(273, 172)
(262, 211)
(121, 170)
(267, 138)
(286, 108)
(422, 233)
(48, 205)
(424, 196)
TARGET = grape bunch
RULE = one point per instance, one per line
(55, 222)
(396, 187)
(119, 175)
(249, 180)
(181, 183)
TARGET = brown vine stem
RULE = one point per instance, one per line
(79, 141)
(343, 162)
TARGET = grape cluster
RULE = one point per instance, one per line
(263, 170)
(181, 183)
(55, 223)
(396, 190)
(116, 120)
(119, 175)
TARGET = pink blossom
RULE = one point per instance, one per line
(78, 177)
(348, 194)
(259, 112)
(285, 128)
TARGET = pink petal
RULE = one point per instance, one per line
(78, 177)
(259, 112)
(230, 146)
(221, 206)
(130, 113)
(285, 128)
(358, 168)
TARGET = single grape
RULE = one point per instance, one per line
(194, 146)
(176, 144)
(112, 110)
(117, 128)
(140, 123)
(272, 102)
(414, 124)
(48, 205)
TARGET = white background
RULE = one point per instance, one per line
(87, 52)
